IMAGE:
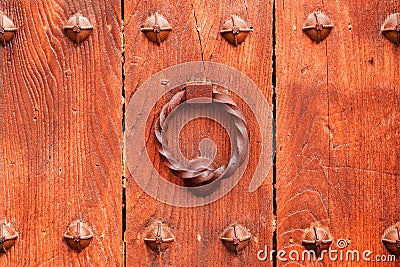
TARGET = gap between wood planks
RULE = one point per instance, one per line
(274, 172)
(123, 94)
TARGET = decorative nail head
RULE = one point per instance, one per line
(316, 239)
(156, 28)
(235, 30)
(317, 26)
(78, 235)
(391, 239)
(7, 29)
(158, 237)
(8, 236)
(235, 238)
(78, 28)
(391, 28)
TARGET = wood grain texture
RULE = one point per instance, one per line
(61, 133)
(337, 127)
(195, 37)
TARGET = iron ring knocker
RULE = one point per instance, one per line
(199, 175)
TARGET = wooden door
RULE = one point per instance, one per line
(67, 129)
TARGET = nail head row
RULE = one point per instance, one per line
(235, 30)
(235, 237)
(78, 236)
(156, 28)
(318, 239)
(78, 28)
(158, 237)
(318, 26)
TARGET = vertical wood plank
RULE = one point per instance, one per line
(302, 143)
(195, 37)
(337, 113)
(61, 133)
(142, 60)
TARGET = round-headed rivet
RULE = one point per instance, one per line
(235, 238)
(8, 236)
(391, 239)
(7, 29)
(78, 28)
(158, 237)
(156, 28)
(78, 235)
(316, 239)
(317, 26)
(235, 30)
(391, 28)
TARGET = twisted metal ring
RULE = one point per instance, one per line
(201, 177)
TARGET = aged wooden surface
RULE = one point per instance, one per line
(61, 133)
(337, 127)
(337, 108)
(195, 37)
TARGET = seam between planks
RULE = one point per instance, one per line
(123, 96)
(274, 174)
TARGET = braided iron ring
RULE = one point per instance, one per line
(202, 178)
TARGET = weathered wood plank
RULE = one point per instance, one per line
(144, 59)
(337, 123)
(195, 37)
(61, 133)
